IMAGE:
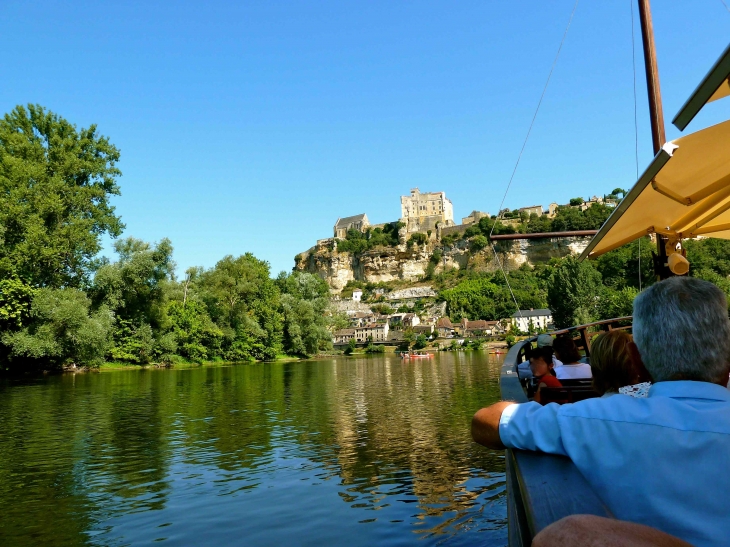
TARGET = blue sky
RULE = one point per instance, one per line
(252, 126)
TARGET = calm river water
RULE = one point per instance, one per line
(356, 452)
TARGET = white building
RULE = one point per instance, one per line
(531, 320)
(356, 295)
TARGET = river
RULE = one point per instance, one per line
(349, 451)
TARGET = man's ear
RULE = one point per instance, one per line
(639, 367)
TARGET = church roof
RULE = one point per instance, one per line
(345, 222)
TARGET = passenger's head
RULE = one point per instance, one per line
(682, 331)
(612, 364)
(541, 361)
(544, 340)
(565, 350)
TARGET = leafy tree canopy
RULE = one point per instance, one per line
(56, 182)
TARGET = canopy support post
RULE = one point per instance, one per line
(658, 136)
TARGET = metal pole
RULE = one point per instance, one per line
(658, 136)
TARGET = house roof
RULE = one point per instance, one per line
(444, 322)
(345, 222)
(478, 324)
(532, 313)
(344, 332)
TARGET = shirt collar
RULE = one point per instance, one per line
(689, 389)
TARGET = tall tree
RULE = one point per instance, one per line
(572, 292)
(55, 185)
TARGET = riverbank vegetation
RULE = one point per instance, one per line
(61, 303)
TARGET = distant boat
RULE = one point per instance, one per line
(415, 355)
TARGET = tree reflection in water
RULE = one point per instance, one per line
(318, 452)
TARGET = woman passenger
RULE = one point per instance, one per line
(614, 366)
(571, 367)
(541, 365)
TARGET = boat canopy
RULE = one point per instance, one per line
(715, 85)
(684, 193)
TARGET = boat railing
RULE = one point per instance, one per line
(541, 488)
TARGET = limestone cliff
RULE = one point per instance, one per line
(409, 264)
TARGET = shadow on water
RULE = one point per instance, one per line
(357, 451)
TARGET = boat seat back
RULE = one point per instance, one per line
(567, 394)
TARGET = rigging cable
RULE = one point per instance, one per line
(636, 123)
(724, 4)
(524, 144)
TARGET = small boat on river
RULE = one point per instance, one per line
(411, 355)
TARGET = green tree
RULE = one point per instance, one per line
(576, 201)
(197, 337)
(351, 345)
(304, 304)
(572, 292)
(55, 185)
(616, 303)
(62, 331)
(244, 302)
(15, 303)
(421, 342)
(478, 243)
(137, 288)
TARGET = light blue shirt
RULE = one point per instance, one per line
(663, 461)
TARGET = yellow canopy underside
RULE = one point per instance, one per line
(685, 192)
(722, 91)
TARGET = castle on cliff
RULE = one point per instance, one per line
(420, 212)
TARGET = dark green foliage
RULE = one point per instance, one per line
(351, 345)
(62, 330)
(421, 342)
(572, 291)
(55, 185)
(576, 201)
(417, 239)
(487, 296)
(372, 348)
(15, 301)
(620, 268)
(358, 242)
(304, 303)
(478, 243)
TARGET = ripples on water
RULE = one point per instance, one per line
(351, 452)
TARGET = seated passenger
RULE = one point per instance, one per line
(570, 368)
(616, 365)
(662, 460)
(541, 365)
(523, 369)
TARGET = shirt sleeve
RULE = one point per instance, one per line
(531, 426)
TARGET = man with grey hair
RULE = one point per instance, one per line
(659, 461)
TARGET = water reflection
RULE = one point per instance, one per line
(325, 452)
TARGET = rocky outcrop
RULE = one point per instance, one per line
(410, 264)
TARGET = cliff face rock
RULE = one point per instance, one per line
(409, 264)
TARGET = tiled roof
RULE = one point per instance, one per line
(532, 313)
(344, 332)
(345, 222)
(444, 322)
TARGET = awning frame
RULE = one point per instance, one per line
(718, 74)
(659, 161)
